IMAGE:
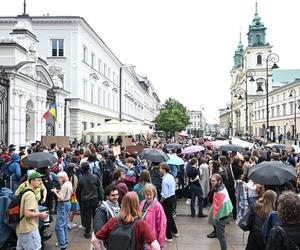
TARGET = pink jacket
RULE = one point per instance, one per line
(157, 220)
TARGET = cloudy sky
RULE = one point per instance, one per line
(185, 47)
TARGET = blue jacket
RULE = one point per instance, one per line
(14, 168)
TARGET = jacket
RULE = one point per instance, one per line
(87, 187)
(14, 168)
(157, 220)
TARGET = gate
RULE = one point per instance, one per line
(4, 95)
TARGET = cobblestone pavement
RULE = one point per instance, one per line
(192, 234)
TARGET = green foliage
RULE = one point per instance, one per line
(173, 117)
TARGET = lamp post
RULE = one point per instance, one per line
(293, 93)
(273, 58)
(229, 107)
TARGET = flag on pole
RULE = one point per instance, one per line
(52, 110)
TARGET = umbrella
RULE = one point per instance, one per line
(242, 143)
(172, 146)
(140, 154)
(277, 146)
(114, 128)
(272, 173)
(175, 160)
(183, 134)
(215, 143)
(230, 147)
(193, 149)
(155, 155)
(40, 160)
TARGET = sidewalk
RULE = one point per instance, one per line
(192, 234)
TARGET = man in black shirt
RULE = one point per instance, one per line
(194, 176)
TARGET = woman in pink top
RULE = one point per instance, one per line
(153, 213)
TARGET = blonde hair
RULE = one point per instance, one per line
(265, 204)
(148, 187)
(63, 175)
(130, 209)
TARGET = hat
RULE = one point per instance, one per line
(34, 175)
(11, 149)
(22, 148)
(12, 146)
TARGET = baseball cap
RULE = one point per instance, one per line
(34, 175)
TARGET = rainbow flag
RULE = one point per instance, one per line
(52, 110)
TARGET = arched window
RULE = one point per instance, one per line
(259, 59)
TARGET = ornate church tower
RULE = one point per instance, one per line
(238, 55)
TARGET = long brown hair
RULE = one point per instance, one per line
(130, 209)
(264, 205)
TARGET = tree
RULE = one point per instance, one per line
(173, 117)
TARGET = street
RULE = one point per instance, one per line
(192, 234)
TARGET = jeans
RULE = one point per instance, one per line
(220, 230)
(196, 191)
(168, 208)
(61, 225)
(87, 212)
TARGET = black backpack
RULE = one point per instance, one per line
(13, 210)
(122, 237)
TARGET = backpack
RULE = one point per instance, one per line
(13, 211)
(122, 237)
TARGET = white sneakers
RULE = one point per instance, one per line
(71, 225)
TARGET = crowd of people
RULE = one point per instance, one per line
(126, 202)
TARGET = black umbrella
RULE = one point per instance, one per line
(40, 160)
(272, 173)
(172, 146)
(155, 155)
(140, 154)
(230, 147)
(277, 146)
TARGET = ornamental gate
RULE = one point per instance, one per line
(4, 95)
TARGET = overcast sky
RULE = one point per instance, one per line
(185, 47)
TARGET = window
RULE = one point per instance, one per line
(283, 96)
(84, 89)
(99, 96)
(99, 66)
(259, 59)
(291, 108)
(277, 97)
(272, 99)
(92, 137)
(278, 110)
(108, 73)
(263, 114)
(272, 112)
(85, 55)
(57, 47)
(105, 69)
(283, 109)
(84, 128)
(92, 60)
(258, 39)
(104, 98)
(114, 77)
(92, 93)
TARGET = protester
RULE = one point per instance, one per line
(204, 180)
(221, 209)
(287, 236)
(63, 209)
(119, 176)
(129, 216)
(14, 171)
(153, 213)
(261, 209)
(27, 229)
(196, 189)
(71, 170)
(40, 192)
(88, 197)
(168, 199)
(144, 179)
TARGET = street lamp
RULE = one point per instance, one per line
(273, 58)
(293, 93)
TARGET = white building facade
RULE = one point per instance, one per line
(197, 123)
(91, 72)
(27, 84)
